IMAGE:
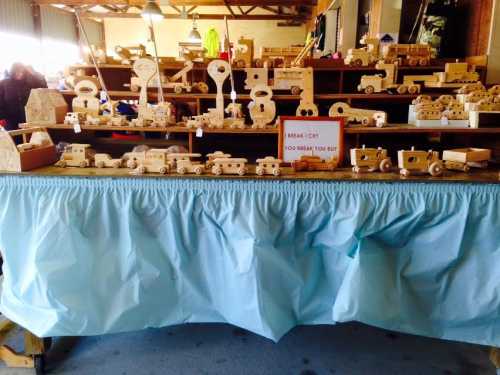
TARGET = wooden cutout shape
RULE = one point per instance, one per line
(365, 117)
(256, 76)
(219, 71)
(307, 108)
(146, 70)
(262, 108)
(86, 100)
(45, 107)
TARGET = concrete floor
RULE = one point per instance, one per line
(218, 349)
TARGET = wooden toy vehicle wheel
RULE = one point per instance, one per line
(131, 164)
(385, 165)
(412, 61)
(423, 61)
(402, 89)
(413, 89)
(259, 171)
(242, 171)
(83, 164)
(466, 168)
(295, 90)
(202, 87)
(100, 164)
(356, 169)
(178, 89)
(117, 164)
(217, 171)
(405, 172)
(198, 170)
(181, 170)
(141, 169)
(163, 170)
(276, 172)
(365, 121)
(61, 164)
(436, 169)
(369, 90)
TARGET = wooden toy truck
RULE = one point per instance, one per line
(419, 162)
(106, 161)
(36, 152)
(411, 54)
(189, 166)
(364, 117)
(370, 160)
(377, 83)
(364, 56)
(462, 159)
(230, 166)
(77, 155)
(269, 165)
(151, 161)
(314, 163)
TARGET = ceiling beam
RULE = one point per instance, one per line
(252, 17)
(182, 2)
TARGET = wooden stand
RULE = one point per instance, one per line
(34, 349)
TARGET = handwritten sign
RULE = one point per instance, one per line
(320, 136)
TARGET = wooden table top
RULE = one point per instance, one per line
(342, 174)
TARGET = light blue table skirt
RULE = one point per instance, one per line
(101, 255)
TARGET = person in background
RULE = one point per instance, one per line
(14, 94)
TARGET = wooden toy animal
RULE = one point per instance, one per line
(269, 165)
(370, 160)
(419, 162)
(262, 109)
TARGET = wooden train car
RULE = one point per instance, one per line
(269, 165)
(188, 165)
(106, 161)
(370, 160)
(419, 162)
(462, 159)
(215, 155)
(151, 161)
(230, 166)
(411, 54)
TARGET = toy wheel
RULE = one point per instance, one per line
(198, 170)
(413, 62)
(423, 62)
(39, 364)
(365, 121)
(100, 164)
(181, 170)
(402, 89)
(436, 169)
(466, 168)
(117, 164)
(276, 172)
(385, 165)
(259, 171)
(413, 89)
(242, 171)
(141, 169)
(131, 164)
(405, 172)
(369, 90)
(296, 90)
(61, 164)
(178, 89)
(163, 170)
(358, 62)
(217, 171)
(83, 164)
(202, 87)
(356, 169)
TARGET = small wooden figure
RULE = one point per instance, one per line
(229, 166)
(106, 161)
(370, 160)
(419, 162)
(39, 151)
(262, 109)
(76, 155)
(462, 159)
(236, 119)
(151, 161)
(269, 165)
(364, 117)
(216, 155)
(184, 166)
(86, 100)
(314, 163)
(45, 107)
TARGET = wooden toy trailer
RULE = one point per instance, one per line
(419, 162)
(411, 54)
(314, 163)
(229, 166)
(462, 159)
(77, 155)
(37, 151)
(277, 56)
(370, 160)
(269, 165)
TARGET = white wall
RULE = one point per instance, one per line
(132, 31)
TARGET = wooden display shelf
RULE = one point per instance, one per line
(342, 174)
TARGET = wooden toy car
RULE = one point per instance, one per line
(105, 161)
(216, 155)
(229, 166)
(365, 117)
(462, 159)
(419, 162)
(151, 161)
(314, 163)
(370, 159)
(268, 165)
(422, 99)
(189, 166)
(77, 155)
(39, 151)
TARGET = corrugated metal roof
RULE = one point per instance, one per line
(58, 25)
(16, 17)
